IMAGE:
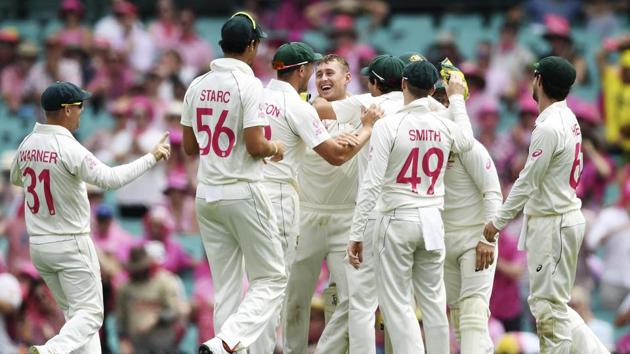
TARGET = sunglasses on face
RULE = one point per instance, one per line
(78, 104)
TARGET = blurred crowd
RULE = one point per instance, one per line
(156, 290)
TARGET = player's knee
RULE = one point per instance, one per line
(543, 312)
(474, 313)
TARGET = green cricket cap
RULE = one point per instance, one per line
(62, 93)
(241, 28)
(410, 57)
(421, 74)
(556, 72)
(385, 68)
(294, 54)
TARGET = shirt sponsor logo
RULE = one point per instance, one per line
(537, 153)
(488, 164)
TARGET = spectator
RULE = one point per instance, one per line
(194, 50)
(73, 34)
(165, 31)
(181, 205)
(9, 40)
(444, 47)
(172, 67)
(318, 12)
(598, 167)
(158, 235)
(601, 18)
(507, 63)
(616, 92)
(505, 302)
(133, 200)
(13, 75)
(126, 34)
(18, 252)
(202, 306)
(113, 79)
(100, 141)
(558, 34)
(344, 43)
(477, 89)
(10, 301)
(54, 67)
(581, 303)
(111, 240)
(158, 95)
(612, 231)
(148, 308)
(39, 318)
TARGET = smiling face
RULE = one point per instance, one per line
(332, 78)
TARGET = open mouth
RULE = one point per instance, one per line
(325, 88)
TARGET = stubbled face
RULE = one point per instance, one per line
(331, 79)
(535, 87)
(306, 76)
(73, 116)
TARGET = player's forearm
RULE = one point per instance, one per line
(491, 204)
(16, 176)
(324, 108)
(457, 108)
(107, 177)
(520, 193)
(348, 152)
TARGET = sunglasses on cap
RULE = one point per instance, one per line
(241, 13)
(79, 104)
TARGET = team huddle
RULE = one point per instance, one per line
(389, 187)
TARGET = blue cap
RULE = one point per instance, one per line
(104, 212)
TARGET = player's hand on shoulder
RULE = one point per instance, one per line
(347, 139)
(278, 154)
(484, 256)
(162, 151)
(370, 115)
(455, 86)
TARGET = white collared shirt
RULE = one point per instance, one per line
(546, 185)
(53, 167)
(295, 123)
(219, 105)
(407, 159)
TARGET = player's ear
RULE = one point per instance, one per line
(403, 84)
(432, 91)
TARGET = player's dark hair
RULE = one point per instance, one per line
(334, 57)
(385, 87)
(553, 92)
(234, 47)
(418, 92)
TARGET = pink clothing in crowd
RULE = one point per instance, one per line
(505, 302)
(195, 52)
(116, 241)
(160, 244)
(165, 34)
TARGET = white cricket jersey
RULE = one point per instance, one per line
(408, 156)
(295, 123)
(323, 185)
(219, 105)
(473, 191)
(546, 185)
(53, 168)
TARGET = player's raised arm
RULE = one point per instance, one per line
(93, 171)
(463, 138)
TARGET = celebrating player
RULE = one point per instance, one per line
(294, 122)
(54, 168)
(222, 125)
(553, 227)
(327, 196)
(473, 195)
(408, 155)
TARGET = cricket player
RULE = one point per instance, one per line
(54, 167)
(222, 125)
(295, 123)
(473, 195)
(327, 197)
(408, 156)
(553, 227)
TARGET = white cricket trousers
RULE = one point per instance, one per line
(362, 297)
(552, 244)
(323, 235)
(468, 292)
(239, 234)
(69, 266)
(404, 265)
(285, 201)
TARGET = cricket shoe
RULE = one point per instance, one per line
(213, 346)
